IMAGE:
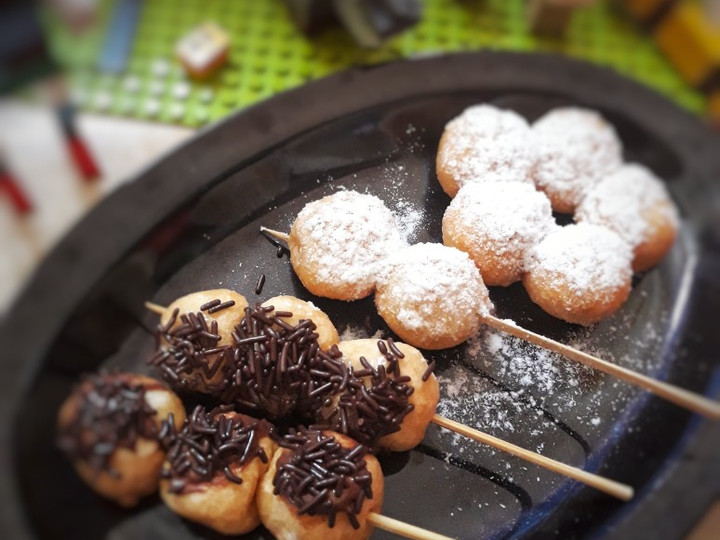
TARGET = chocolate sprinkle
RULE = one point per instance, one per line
(321, 477)
(279, 369)
(111, 413)
(260, 284)
(187, 354)
(429, 371)
(209, 444)
(373, 403)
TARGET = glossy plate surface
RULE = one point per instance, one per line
(191, 222)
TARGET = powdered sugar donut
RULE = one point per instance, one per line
(634, 203)
(496, 223)
(432, 296)
(575, 148)
(579, 273)
(338, 244)
(484, 144)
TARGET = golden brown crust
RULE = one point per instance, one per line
(446, 179)
(223, 506)
(282, 520)
(556, 298)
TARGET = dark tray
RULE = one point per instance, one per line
(187, 223)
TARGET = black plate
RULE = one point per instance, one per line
(191, 222)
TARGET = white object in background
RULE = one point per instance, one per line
(35, 153)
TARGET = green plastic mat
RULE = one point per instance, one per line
(269, 55)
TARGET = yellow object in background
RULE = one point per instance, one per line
(644, 10)
(203, 50)
(692, 44)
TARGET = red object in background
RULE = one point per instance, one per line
(13, 190)
(83, 159)
(79, 152)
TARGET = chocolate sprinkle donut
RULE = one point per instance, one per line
(111, 413)
(321, 477)
(374, 401)
(208, 444)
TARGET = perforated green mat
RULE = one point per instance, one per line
(268, 54)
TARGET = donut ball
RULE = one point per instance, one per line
(186, 331)
(108, 429)
(484, 144)
(410, 363)
(575, 148)
(300, 309)
(496, 223)
(338, 244)
(432, 296)
(580, 273)
(217, 486)
(291, 512)
(634, 203)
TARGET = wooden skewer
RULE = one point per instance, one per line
(403, 529)
(285, 237)
(611, 487)
(155, 308)
(679, 396)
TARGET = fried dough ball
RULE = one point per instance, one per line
(338, 244)
(300, 309)
(580, 273)
(484, 144)
(424, 398)
(575, 149)
(108, 428)
(224, 497)
(332, 517)
(199, 372)
(432, 296)
(496, 223)
(634, 203)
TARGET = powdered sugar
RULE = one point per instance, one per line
(487, 144)
(345, 238)
(576, 147)
(498, 222)
(439, 282)
(623, 200)
(583, 257)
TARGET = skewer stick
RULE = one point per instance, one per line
(155, 308)
(611, 487)
(283, 237)
(679, 396)
(403, 529)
